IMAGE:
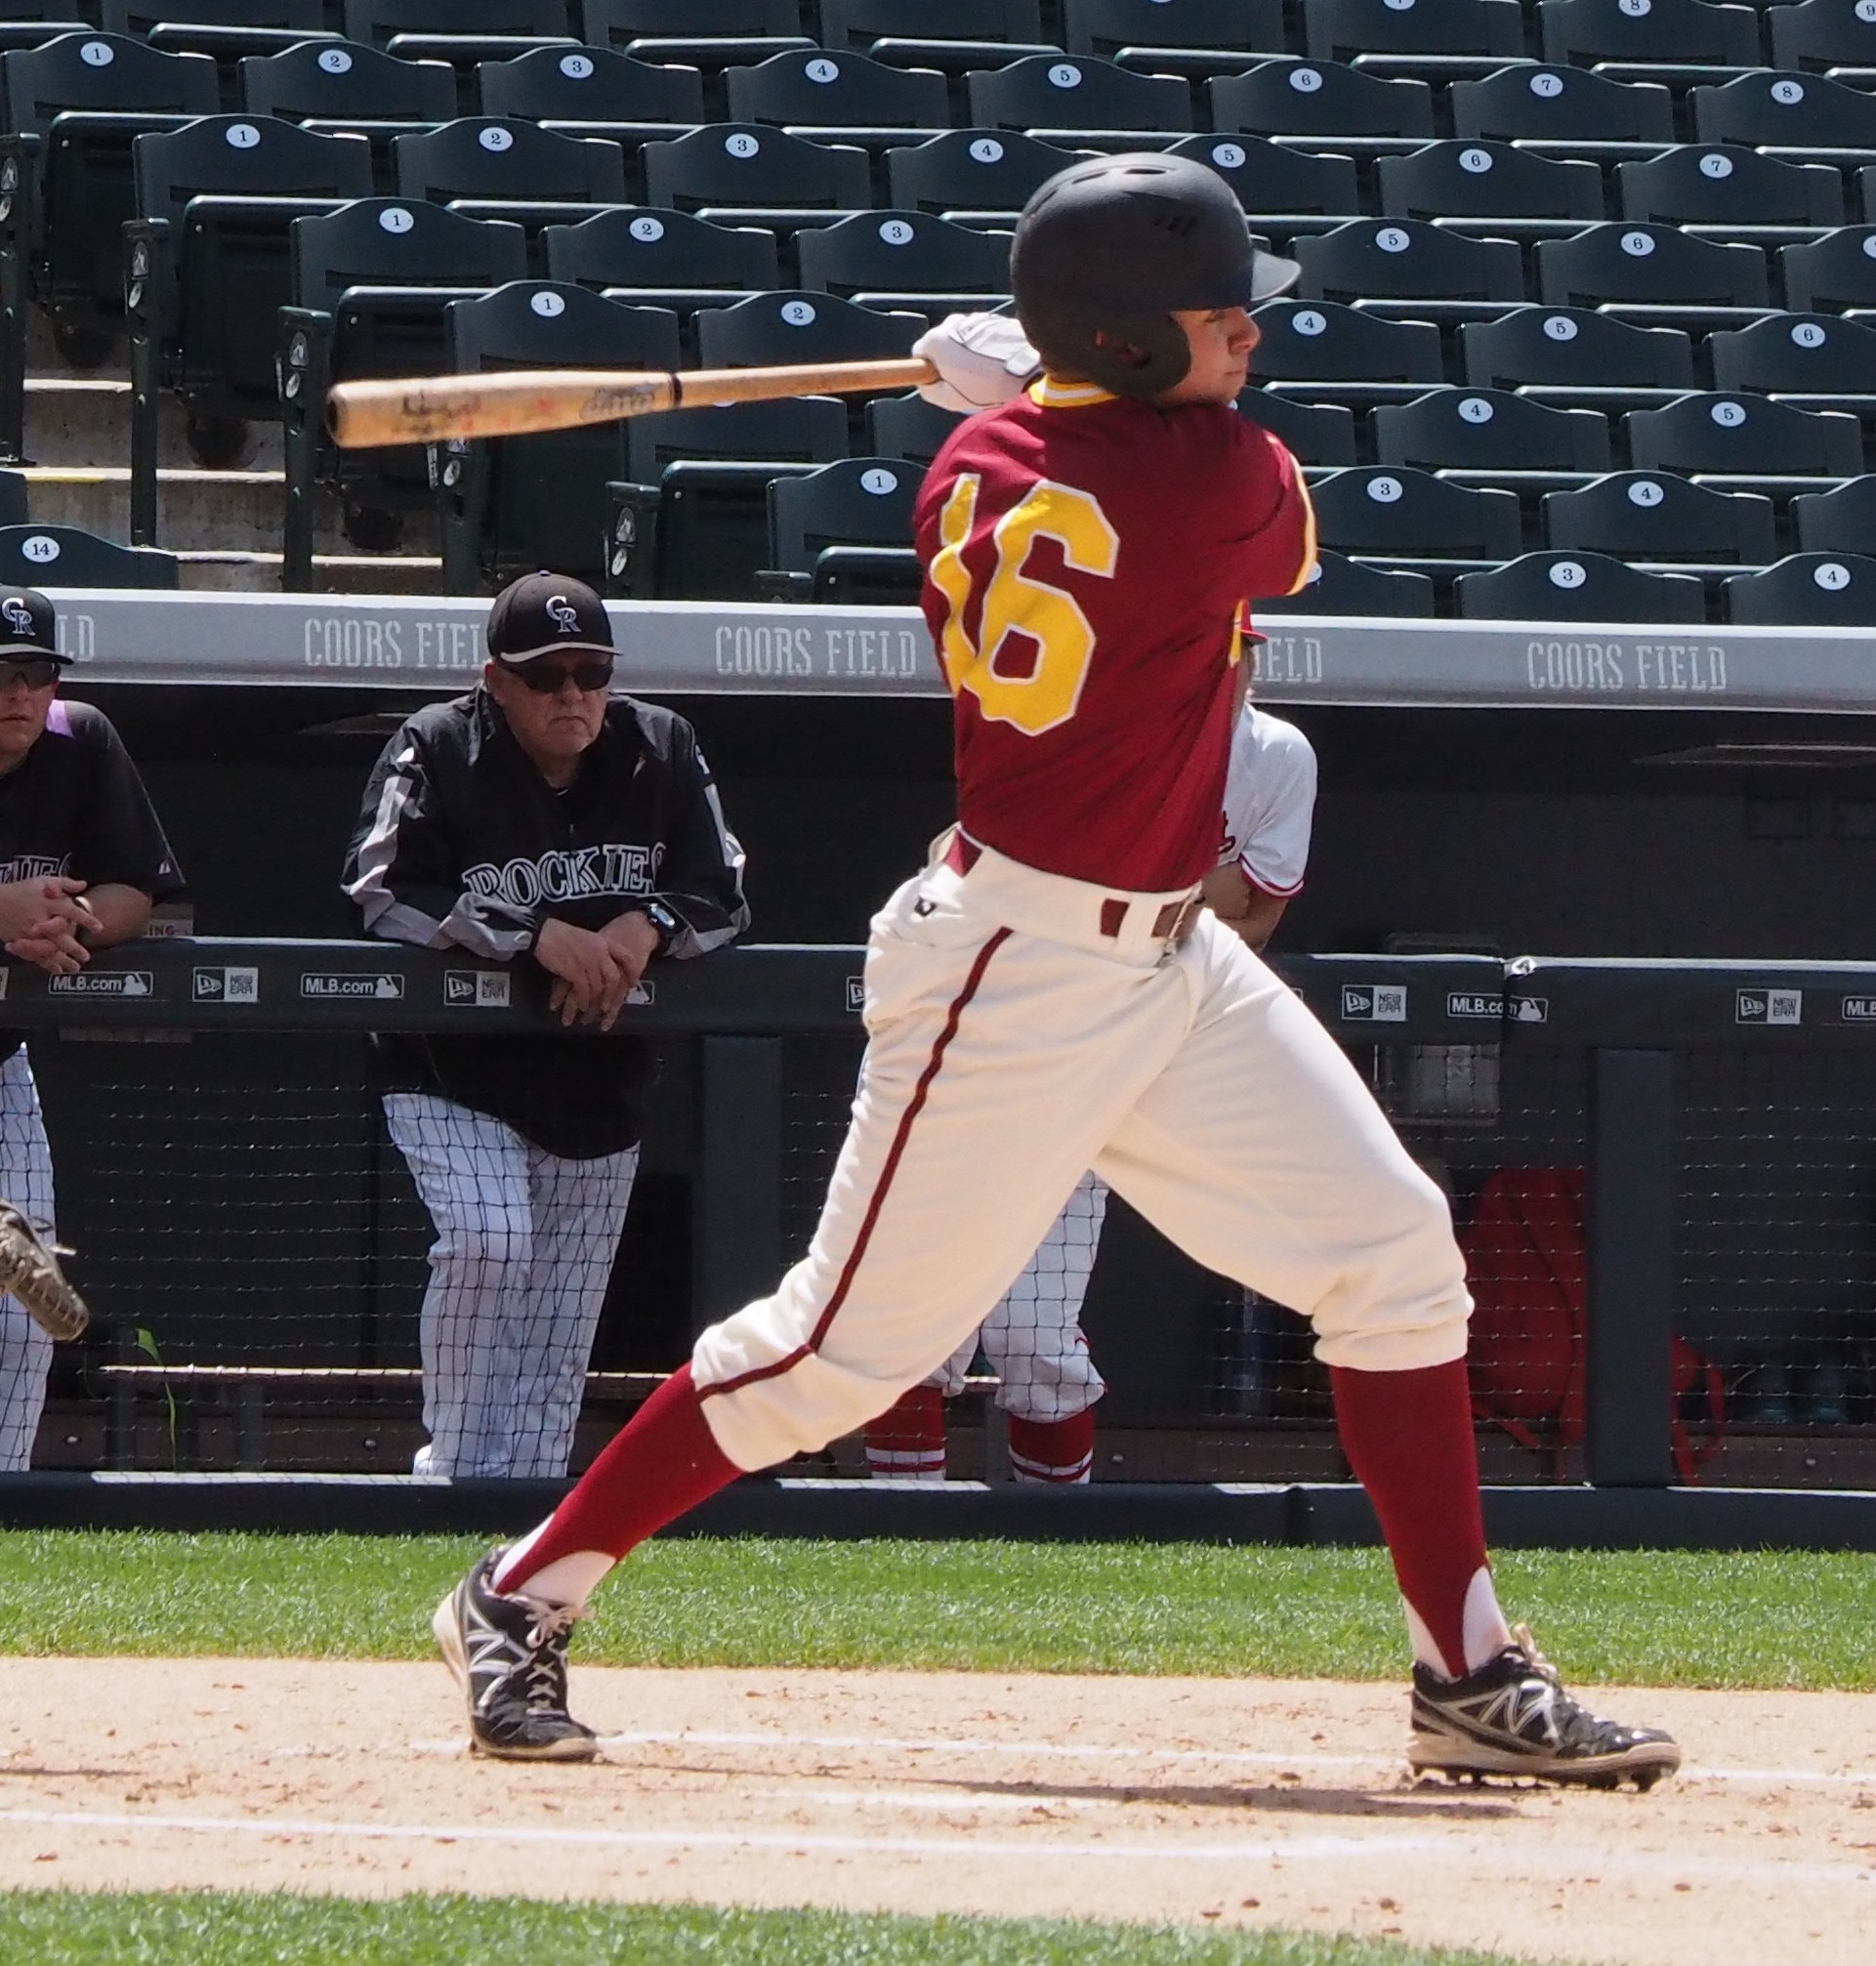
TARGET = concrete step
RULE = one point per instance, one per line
(74, 419)
(198, 511)
(332, 572)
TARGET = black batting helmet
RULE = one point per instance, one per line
(1110, 247)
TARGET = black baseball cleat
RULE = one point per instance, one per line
(1513, 1717)
(509, 1655)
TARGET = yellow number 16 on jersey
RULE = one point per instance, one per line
(1014, 604)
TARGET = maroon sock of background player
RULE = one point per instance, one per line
(665, 1461)
(1408, 1437)
(1052, 1450)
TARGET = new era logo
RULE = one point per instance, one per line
(484, 989)
(856, 993)
(1769, 1005)
(226, 985)
(1374, 1003)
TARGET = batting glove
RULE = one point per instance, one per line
(981, 360)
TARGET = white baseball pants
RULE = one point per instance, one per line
(1033, 1337)
(25, 1180)
(1015, 1041)
(518, 1276)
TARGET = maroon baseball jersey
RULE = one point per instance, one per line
(1086, 557)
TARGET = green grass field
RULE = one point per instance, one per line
(1772, 1619)
(1765, 1620)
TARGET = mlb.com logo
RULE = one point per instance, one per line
(1858, 1010)
(226, 985)
(323, 984)
(104, 982)
(1769, 1005)
(483, 989)
(1475, 1003)
(1374, 1003)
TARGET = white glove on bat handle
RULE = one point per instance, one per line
(981, 360)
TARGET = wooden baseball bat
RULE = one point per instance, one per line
(511, 403)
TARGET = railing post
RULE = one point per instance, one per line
(737, 1218)
(1629, 1380)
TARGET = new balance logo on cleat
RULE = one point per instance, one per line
(1513, 1717)
(509, 1655)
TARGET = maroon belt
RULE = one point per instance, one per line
(1171, 923)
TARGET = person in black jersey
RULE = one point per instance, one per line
(541, 821)
(82, 861)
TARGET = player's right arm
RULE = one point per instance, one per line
(1280, 548)
(403, 870)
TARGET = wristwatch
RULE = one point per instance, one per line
(664, 921)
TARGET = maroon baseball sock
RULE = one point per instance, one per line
(1052, 1450)
(666, 1460)
(908, 1438)
(1408, 1437)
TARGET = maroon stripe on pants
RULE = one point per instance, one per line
(913, 1106)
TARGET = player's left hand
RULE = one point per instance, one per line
(982, 360)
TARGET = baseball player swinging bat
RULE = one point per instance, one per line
(428, 409)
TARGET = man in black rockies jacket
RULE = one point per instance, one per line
(540, 820)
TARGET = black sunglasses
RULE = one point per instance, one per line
(546, 679)
(36, 672)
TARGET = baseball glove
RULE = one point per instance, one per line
(29, 1269)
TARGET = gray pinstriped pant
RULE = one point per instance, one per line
(25, 1180)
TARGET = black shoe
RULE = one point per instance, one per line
(509, 1655)
(1513, 1717)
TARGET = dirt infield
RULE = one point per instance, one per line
(1244, 1802)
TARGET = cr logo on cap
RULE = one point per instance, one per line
(564, 614)
(19, 616)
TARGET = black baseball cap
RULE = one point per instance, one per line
(543, 611)
(28, 625)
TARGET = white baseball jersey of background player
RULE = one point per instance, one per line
(1034, 1340)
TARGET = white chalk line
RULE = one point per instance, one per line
(1084, 1751)
(1658, 1866)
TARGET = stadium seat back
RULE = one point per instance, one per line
(1488, 430)
(1407, 259)
(1319, 99)
(347, 78)
(1548, 104)
(503, 157)
(798, 430)
(660, 249)
(1723, 183)
(1822, 35)
(816, 87)
(103, 71)
(1337, 585)
(68, 555)
(1807, 589)
(377, 21)
(1573, 348)
(903, 252)
(1394, 509)
(1106, 26)
(860, 501)
(1810, 354)
(540, 500)
(399, 242)
(1746, 434)
(800, 327)
(138, 16)
(588, 85)
(1664, 30)
(971, 171)
(614, 23)
(1771, 107)
(13, 504)
(908, 427)
(1838, 271)
(858, 23)
(1315, 433)
(1643, 515)
(1059, 92)
(1486, 179)
(1842, 521)
(1338, 30)
(1578, 587)
(1647, 263)
(743, 164)
(1269, 179)
(1324, 342)
(244, 156)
